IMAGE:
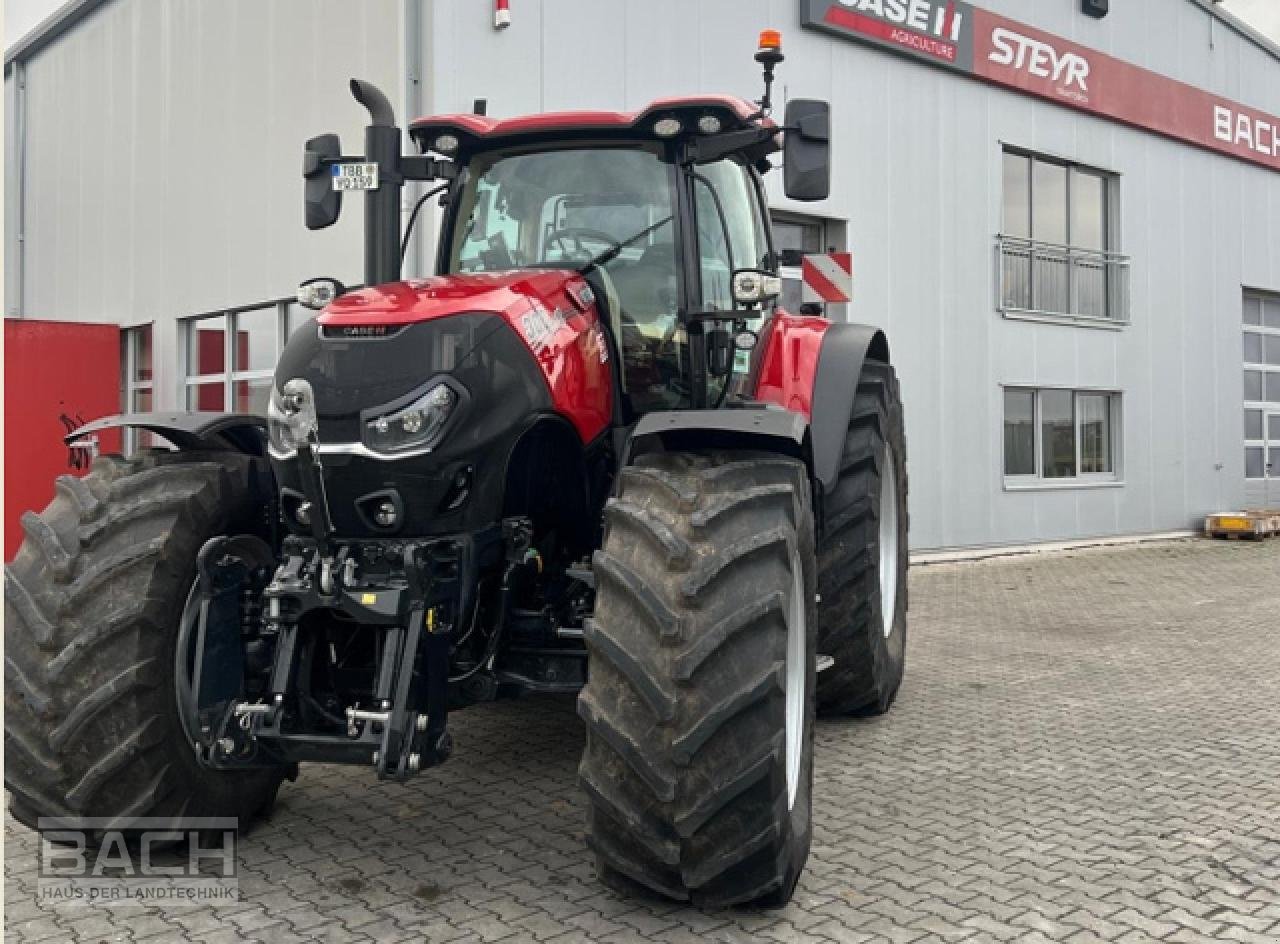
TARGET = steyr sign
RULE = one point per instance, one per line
(960, 36)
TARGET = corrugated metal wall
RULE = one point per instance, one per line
(919, 180)
(163, 173)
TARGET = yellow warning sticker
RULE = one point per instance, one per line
(368, 599)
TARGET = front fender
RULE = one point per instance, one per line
(190, 431)
(760, 426)
(811, 366)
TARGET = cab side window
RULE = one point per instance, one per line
(731, 233)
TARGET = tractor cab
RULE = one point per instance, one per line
(627, 201)
(662, 211)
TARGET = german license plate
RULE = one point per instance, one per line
(355, 176)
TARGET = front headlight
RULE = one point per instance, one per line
(291, 416)
(419, 425)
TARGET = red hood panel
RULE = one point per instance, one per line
(553, 311)
(400, 303)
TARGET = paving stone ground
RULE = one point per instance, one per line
(1086, 748)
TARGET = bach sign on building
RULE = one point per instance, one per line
(968, 39)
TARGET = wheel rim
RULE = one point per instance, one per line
(797, 644)
(184, 663)
(888, 541)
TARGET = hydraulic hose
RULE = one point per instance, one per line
(491, 647)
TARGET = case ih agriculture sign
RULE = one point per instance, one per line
(976, 42)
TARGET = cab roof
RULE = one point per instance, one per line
(734, 114)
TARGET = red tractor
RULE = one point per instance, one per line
(590, 455)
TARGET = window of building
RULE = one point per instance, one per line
(1055, 435)
(138, 383)
(1261, 386)
(230, 357)
(795, 236)
(1057, 257)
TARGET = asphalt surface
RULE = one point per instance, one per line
(1086, 748)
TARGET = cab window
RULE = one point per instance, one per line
(731, 232)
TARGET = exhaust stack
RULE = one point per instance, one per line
(381, 206)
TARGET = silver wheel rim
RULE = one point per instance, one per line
(797, 644)
(888, 541)
(184, 662)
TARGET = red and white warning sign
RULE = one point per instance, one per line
(828, 277)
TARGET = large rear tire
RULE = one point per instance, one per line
(699, 703)
(92, 605)
(862, 561)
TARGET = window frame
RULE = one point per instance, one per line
(795, 273)
(1037, 480)
(1114, 264)
(1266, 407)
(229, 376)
(130, 386)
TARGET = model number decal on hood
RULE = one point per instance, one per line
(539, 326)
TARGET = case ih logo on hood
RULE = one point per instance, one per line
(360, 331)
(1041, 60)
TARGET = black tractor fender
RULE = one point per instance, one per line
(819, 441)
(835, 386)
(762, 426)
(190, 431)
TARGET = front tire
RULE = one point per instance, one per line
(92, 604)
(862, 561)
(699, 702)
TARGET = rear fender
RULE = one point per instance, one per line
(190, 431)
(811, 366)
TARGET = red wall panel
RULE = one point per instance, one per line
(56, 375)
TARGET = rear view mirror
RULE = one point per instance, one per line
(323, 203)
(807, 150)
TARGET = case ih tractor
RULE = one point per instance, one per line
(590, 456)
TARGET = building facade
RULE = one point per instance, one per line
(1068, 225)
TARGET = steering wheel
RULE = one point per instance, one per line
(577, 234)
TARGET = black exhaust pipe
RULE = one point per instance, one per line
(381, 206)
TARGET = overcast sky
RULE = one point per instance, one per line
(1262, 15)
(21, 15)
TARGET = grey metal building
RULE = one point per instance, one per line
(1067, 223)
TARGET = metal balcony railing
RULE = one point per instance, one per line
(1062, 281)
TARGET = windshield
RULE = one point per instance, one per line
(569, 206)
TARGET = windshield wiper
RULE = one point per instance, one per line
(612, 252)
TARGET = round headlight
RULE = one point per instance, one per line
(445, 144)
(709, 124)
(667, 127)
(291, 417)
(412, 421)
(317, 293)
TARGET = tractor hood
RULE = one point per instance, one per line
(400, 303)
(516, 348)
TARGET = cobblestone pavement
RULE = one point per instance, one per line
(1087, 747)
